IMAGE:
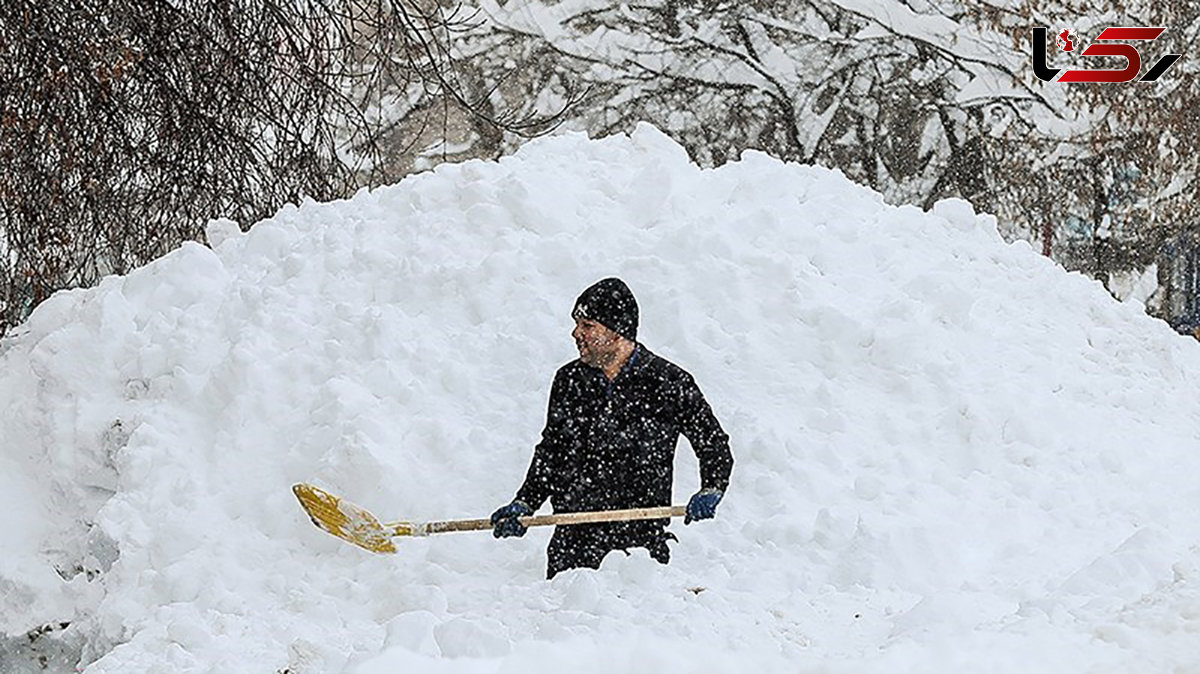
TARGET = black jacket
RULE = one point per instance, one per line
(611, 445)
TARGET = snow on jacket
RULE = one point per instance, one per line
(611, 445)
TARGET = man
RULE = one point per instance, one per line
(614, 418)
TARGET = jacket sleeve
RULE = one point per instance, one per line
(540, 482)
(706, 436)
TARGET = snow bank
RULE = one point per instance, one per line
(951, 455)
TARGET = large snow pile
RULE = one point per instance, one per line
(951, 455)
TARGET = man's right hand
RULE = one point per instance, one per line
(504, 520)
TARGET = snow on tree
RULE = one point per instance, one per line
(919, 100)
(126, 127)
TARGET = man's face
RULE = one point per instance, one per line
(597, 344)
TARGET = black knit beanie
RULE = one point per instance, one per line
(610, 303)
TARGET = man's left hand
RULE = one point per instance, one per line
(703, 505)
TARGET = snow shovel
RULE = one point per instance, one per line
(358, 526)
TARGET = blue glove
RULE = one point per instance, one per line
(504, 520)
(703, 505)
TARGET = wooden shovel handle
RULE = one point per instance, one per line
(662, 512)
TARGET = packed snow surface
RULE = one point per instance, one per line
(951, 455)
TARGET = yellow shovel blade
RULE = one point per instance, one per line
(344, 519)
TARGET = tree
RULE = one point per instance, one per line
(920, 101)
(895, 98)
(125, 125)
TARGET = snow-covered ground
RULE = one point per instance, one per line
(951, 455)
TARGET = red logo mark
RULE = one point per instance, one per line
(1064, 40)
(1133, 59)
